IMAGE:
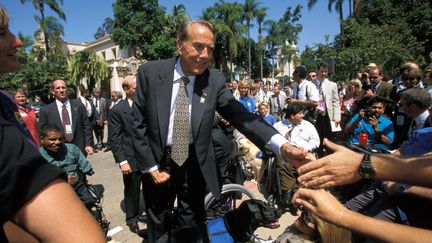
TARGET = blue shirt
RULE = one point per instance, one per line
(249, 103)
(384, 125)
(269, 119)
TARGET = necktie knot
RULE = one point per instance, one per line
(185, 80)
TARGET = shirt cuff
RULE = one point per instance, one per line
(150, 170)
(275, 143)
(123, 162)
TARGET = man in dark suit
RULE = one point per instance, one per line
(380, 88)
(120, 139)
(176, 101)
(70, 115)
(100, 104)
(277, 102)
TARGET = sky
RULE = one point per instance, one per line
(85, 16)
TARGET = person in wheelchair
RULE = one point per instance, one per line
(69, 158)
(300, 133)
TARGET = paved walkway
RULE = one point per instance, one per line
(108, 174)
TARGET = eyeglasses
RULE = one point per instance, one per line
(374, 77)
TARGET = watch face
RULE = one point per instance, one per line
(366, 170)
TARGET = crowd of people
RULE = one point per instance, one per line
(162, 136)
(369, 114)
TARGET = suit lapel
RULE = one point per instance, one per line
(75, 115)
(199, 101)
(163, 95)
(57, 116)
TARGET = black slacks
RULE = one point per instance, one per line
(188, 186)
(131, 192)
(99, 134)
(324, 131)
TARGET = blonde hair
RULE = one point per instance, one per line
(330, 232)
(264, 103)
(243, 83)
(4, 16)
(356, 83)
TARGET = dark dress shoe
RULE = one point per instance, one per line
(133, 227)
(142, 218)
(107, 150)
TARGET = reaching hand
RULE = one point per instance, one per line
(321, 203)
(336, 169)
(160, 177)
(293, 155)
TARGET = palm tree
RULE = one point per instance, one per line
(273, 39)
(54, 5)
(227, 20)
(250, 9)
(338, 5)
(88, 65)
(261, 14)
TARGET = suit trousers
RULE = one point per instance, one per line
(288, 176)
(99, 133)
(187, 184)
(132, 183)
(324, 131)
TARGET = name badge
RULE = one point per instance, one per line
(23, 114)
(68, 129)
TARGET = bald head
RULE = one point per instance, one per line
(59, 89)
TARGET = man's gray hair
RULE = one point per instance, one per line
(118, 94)
(418, 97)
(182, 34)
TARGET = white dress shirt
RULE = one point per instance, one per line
(303, 134)
(60, 108)
(87, 105)
(305, 90)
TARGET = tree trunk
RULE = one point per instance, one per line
(249, 50)
(42, 12)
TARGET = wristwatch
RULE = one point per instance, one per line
(366, 170)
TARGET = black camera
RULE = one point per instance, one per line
(369, 114)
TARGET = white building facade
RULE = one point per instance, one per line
(120, 62)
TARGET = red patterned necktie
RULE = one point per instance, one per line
(66, 121)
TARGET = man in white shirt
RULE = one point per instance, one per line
(300, 133)
(304, 93)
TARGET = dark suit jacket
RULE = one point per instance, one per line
(120, 132)
(81, 127)
(103, 109)
(152, 110)
(386, 90)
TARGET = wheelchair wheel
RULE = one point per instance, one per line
(231, 197)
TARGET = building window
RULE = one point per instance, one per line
(114, 51)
